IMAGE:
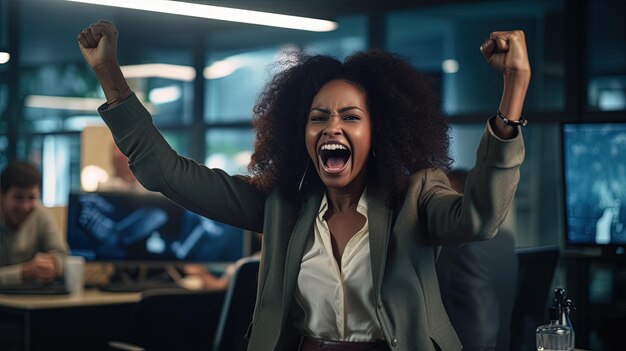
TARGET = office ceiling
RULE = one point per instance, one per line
(48, 28)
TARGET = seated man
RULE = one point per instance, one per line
(478, 285)
(31, 244)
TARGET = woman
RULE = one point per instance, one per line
(347, 188)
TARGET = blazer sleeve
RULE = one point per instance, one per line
(453, 219)
(209, 192)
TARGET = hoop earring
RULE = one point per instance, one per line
(304, 174)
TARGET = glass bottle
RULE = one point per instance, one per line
(565, 305)
(553, 336)
(568, 306)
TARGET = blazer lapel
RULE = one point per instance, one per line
(295, 250)
(379, 222)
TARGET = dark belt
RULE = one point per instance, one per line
(310, 343)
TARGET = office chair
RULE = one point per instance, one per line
(173, 319)
(535, 274)
(478, 283)
(238, 307)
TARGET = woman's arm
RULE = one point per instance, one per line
(211, 193)
(506, 52)
(98, 44)
(490, 187)
(455, 219)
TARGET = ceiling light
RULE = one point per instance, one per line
(223, 68)
(67, 103)
(160, 70)
(4, 57)
(164, 95)
(450, 66)
(63, 103)
(220, 13)
(218, 69)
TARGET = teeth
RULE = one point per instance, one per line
(333, 147)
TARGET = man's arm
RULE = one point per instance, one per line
(11, 274)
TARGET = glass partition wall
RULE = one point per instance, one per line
(444, 42)
(606, 55)
(201, 79)
(198, 79)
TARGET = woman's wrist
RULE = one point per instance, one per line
(517, 79)
(514, 90)
(113, 83)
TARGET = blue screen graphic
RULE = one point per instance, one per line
(146, 227)
(594, 161)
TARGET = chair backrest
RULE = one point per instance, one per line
(535, 274)
(238, 307)
(478, 283)
(176, 319)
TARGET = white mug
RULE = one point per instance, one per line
(74, 274)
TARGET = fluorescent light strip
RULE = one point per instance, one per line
(223, 68)
(63, 103)
(69, 103)
(160, 70)
(218, 69)
(220, 13)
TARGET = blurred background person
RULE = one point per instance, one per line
(478, 285)
(122, 178)
(31, 244)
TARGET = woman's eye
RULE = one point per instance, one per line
(351, 118)
(317, 118)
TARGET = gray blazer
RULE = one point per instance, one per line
(403, 244)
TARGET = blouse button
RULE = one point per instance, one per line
(380, 305)
(394, 342)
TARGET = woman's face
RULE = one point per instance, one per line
(338, 134)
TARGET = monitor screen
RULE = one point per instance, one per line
(146, 227)
(594, 164)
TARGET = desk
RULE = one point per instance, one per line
(67, 322)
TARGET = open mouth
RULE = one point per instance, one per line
(334, 157)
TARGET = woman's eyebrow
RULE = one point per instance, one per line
(319, 109)
(341, 110)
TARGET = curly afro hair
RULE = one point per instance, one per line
(410, 132)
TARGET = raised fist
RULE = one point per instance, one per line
(98, 43)
(506, 52)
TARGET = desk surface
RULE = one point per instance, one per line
(91, 297)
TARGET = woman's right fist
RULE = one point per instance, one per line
(98, 43)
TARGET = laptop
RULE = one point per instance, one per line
(56, 287)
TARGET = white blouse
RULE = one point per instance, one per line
(338, 304)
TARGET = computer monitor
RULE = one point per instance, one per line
(133, 227)
(594, 175)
